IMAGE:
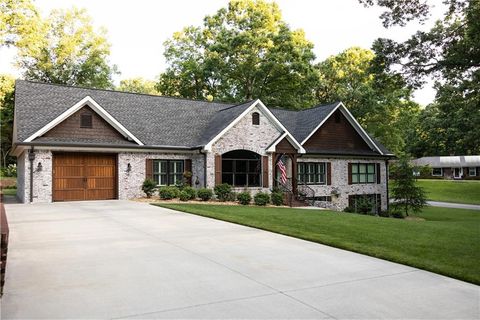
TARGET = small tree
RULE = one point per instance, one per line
(408, 196)
(149, 186)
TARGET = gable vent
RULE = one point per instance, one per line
(86, 120)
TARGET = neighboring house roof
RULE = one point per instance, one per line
(154, 121)
(449, 161)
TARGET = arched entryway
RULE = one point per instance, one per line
(242, 168)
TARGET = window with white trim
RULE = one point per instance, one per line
(437, 172)
(472, 171)
(168, 172)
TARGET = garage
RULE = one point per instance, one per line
(84, 176)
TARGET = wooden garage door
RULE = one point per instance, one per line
(82, 176)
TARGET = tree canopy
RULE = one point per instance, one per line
(138, 85)
(244, 51)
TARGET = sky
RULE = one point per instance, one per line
(137, 29)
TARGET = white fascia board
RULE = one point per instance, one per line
(274, 144)
(268, 114)
(97, 108)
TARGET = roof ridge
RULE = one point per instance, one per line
(118, 91)
(314, 107)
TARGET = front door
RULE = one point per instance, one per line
(84, 176)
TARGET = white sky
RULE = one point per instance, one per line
(137, 29)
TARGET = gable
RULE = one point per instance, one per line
(71, 128)
(284, 146)
(336, 134)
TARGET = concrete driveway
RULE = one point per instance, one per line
(121, 259)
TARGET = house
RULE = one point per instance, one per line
(76, 143)
(451, 167)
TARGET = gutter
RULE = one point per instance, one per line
(31, 158)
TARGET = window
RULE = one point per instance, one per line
(241, 168)
(365, 203)
(472, 171)
(168, 172)
(437, 172)
(86, 120)
(311, 172)
(320, 198)
(255, 118)
(363, 173)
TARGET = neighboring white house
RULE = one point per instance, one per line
(452, 167)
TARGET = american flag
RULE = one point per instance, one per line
(283, 170)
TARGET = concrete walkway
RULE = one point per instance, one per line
(454, 205)
(128, 260)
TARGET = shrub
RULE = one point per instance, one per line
(364, 205)
(192, 193)
(261, 199)
(168, 192)
(10, 171)
(397, 214)
(384, 214)
(244, 197)
(184, 195)
(205, 194)
(149, 187)
(277, 198)
(222, 191)
(349, 209)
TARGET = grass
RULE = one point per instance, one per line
(10, 192)
(464, 191)
(446, 242)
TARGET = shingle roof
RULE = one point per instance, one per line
(154, 120)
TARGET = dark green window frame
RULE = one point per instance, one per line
(312, 172)
(364, 173)
(168, 172)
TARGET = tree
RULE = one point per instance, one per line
(242, 52)
(380, 101)
(20, 23)
(69, 51)
(138, 85)
(407, 195)
(7, 86)
(449, 52)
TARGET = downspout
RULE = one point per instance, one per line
(386, 178)
(31, 157)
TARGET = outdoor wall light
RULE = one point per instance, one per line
(129, 167)
(39, 167)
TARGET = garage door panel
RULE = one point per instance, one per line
(79, 176)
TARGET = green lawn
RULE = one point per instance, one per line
(464, 191)
(8, 191)
(447, 242)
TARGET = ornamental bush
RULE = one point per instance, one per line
(149, 187)
(277, 198)
(244, 197)
(205, 194)
(223, 191)
(261, 199)
(192, 193)
(168, 192)
(184, 195)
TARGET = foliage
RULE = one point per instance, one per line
(68, 51)
(406, 193)
(205, 194)
(148, 187)
(184, 196)
(244, 197)
(450, 53)
(168, 192)
(7, 86)
(20, 23)
(261, 199)
(222, 191)
(380, 102)
(192, 193)
(432, 245)
(364, 205)
(349, 209)
(277, 198)
(138, 85)
(9, 171)
(452, 191)
(242, 52)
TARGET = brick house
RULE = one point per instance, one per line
(76, 143)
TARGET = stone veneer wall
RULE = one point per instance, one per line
(244, 135)
(130, 183)
(340, 182)
(42, 180)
